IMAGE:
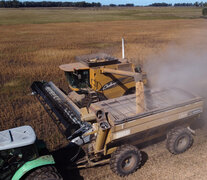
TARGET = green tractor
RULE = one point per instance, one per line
(22, 156)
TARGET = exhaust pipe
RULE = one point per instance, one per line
(123, 53)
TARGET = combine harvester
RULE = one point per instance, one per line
(99, 77)
(108, 130)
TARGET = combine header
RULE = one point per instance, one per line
(61, 109)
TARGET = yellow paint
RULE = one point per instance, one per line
(98, 79)
(100, 140)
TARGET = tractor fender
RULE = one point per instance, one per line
(28, 166)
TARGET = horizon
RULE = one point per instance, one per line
(117, 2)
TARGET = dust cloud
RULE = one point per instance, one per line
(182, 65)
(178, 68)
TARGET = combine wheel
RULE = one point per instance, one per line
(179, 140)
(45, 172)
(125, 160)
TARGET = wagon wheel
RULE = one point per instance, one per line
(125, 160)
(179, 140)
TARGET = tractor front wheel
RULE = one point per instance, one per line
(45, 172)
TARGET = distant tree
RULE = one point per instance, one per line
(126, 5)
(97, 4)
(196, 4)
(9, 4)
(160, 4)
(201, 4)
(130, 5)
(112, 5)
(2, 3)
(183, 4)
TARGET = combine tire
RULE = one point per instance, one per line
(45, 172)
(125, 160)
(179, 140)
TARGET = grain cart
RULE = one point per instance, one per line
(22, 157)
(108, 130)
(89, 84)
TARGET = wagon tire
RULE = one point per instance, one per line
(45, 172)
(125, 160)
(179, 140)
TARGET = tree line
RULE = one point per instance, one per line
(196, 4)
(18, 4)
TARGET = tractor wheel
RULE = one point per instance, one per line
(45, 172)
(179, 140)
(125, 160)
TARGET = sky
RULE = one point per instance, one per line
(136, 2)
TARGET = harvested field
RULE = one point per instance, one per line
(61, 15)
(33, 50)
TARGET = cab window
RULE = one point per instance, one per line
(78, 79)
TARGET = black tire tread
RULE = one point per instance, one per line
(173, 135)
(118, 153)
(44, 172)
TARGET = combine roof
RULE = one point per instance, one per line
(17, 137)
(73, 66)
(97, 60)
(92, 60)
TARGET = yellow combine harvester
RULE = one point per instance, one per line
(101, 76)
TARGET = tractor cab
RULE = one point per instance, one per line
(17, 146)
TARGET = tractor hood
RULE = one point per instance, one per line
(17, 137)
